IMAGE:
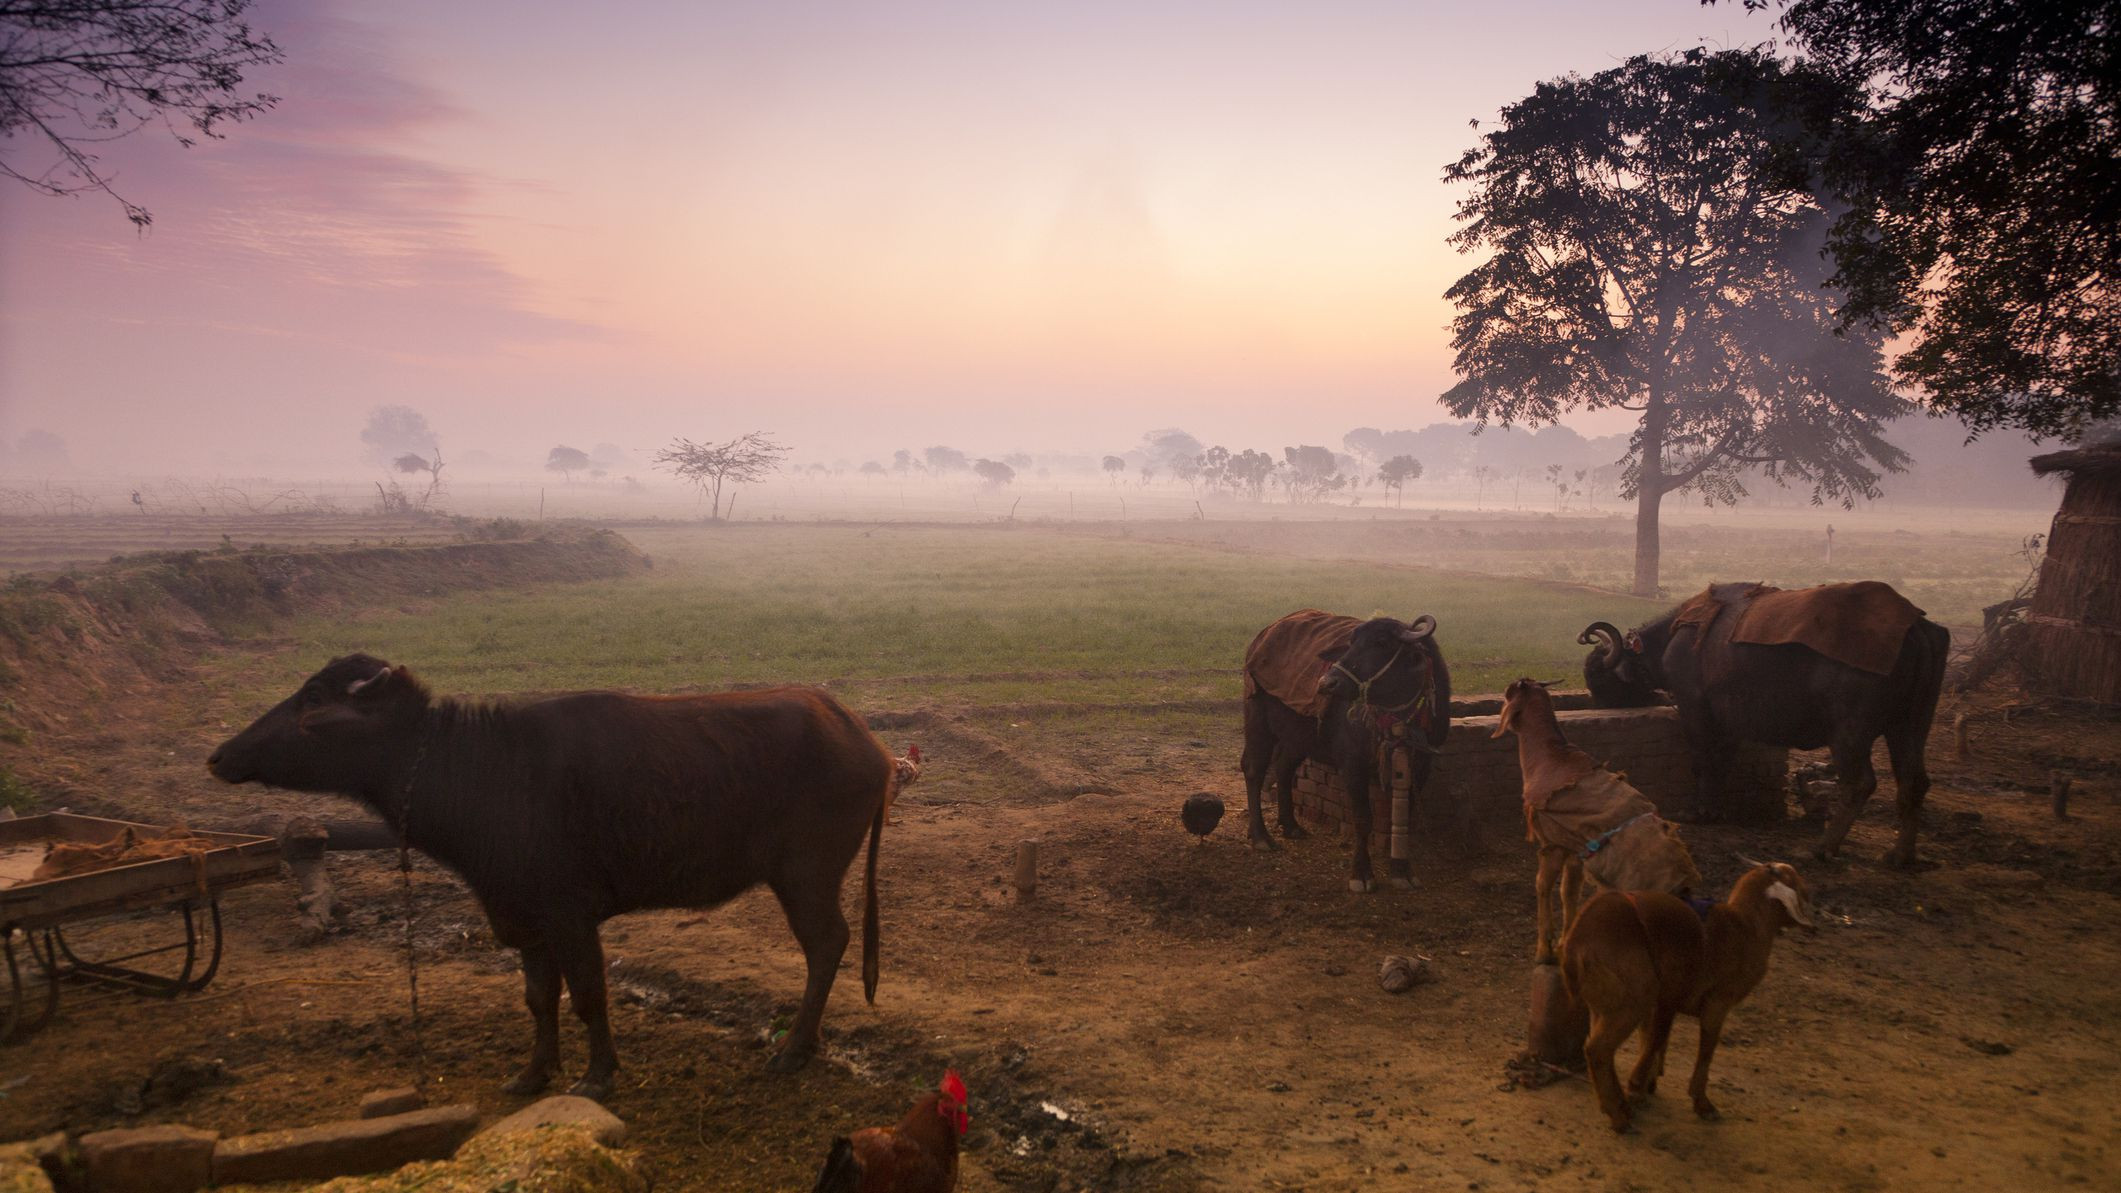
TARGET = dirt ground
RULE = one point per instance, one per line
(1172, 1015)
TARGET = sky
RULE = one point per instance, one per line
(1001, 227)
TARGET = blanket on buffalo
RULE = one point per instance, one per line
(1862, 624)
(1286, 659)
(1615, 829)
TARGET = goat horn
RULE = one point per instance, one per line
(1750, 862)
(1422, 627)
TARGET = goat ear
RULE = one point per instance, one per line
(1507, 722)
(1800, 912)
(327, 718)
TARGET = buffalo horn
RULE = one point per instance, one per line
(1611, 642)
(1423, 626)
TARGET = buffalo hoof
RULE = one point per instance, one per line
(789, 1059)
(596, 1089)
(1361, 886)
(1622, 1124)
(1900, 859)
(1294, 831)
(528, 1082)
(1402, 882)
(1543, 957)
(1823, 852)
(1265, 844)
(1707, 1109)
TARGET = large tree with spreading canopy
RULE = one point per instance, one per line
(1652, 244)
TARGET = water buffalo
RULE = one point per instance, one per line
(1374, 674)
(563, 812)
(1778, 695)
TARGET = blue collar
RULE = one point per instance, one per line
(1603, 839)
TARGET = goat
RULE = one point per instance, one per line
(1640, 959)
(1583, 816)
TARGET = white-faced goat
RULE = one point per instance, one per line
(1584, 817)
(1640, 959)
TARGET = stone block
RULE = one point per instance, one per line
(343, 1148)
(382, 1102)
(565, 1110)
(164, 1159)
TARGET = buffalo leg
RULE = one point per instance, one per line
(1286, 764)
(1356, 774)
(1258, 756)
(813, 909)
(1911, 783)
(541, 993)
(581, 961)
(1706, 749)
(1856, 779)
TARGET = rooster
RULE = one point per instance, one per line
(904, 772)
(919, 1155)
(1201, 814)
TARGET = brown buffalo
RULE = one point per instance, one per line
(563, 812)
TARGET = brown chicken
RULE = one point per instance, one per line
(919, 1155)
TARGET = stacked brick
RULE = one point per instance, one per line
(1476, 780)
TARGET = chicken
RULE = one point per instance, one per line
(904, 771)
(1201, 814)
(919, 1155)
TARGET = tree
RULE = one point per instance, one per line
(412, 462)
(872, 468)
(1249, 471)
(902, 462)
(749, 457)
(1312, 473)
(393, 431)
(566, 461)
(1114, 466)
(1655, 248)
(946, 459)
(994, 472)
(1394, 474)
(1980, 182)
(1482, 474)
(77, 73)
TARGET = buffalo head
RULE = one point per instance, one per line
(1382, 651)
(1618, 671)
(339, 732)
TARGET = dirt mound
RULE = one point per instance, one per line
(87, 636)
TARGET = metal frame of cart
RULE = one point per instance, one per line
(37, 913)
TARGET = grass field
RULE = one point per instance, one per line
(933, 617)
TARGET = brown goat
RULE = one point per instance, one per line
(1640, 959)
(1583, 816)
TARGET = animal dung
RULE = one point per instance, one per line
(1400, 974)
(1026, 871)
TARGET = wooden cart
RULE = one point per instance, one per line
(34, 915)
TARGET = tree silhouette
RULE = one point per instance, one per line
(1394, 474)
(946, 459)
(1249, 472)
(1114, 467)
(1655, 248)
(77, 73)
(1312, 473)
(747, 458)
(393, 431)
(1980, 180)
(566, 461)
(994, 472)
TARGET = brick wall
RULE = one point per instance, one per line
(1476, 781)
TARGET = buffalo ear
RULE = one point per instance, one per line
(1332, 654)
(329, 718)
(374, 684)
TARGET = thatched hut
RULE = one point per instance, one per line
(2075, 620)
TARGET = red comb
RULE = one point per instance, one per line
(953, 1086)
(913, 752)
(952, 1104)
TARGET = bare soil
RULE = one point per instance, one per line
(1173, 1015)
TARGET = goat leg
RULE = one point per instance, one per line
(1712, 1014)
(1551, 864)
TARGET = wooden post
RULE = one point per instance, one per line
(1026, 871)
(2058, 783)
(1959, 738)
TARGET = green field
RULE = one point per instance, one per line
(930, 618)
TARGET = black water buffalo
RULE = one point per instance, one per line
(560, 813)
(1784, 695)
(1388, 671)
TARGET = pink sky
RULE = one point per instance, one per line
(859, 226)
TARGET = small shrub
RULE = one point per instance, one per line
(16, 794)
